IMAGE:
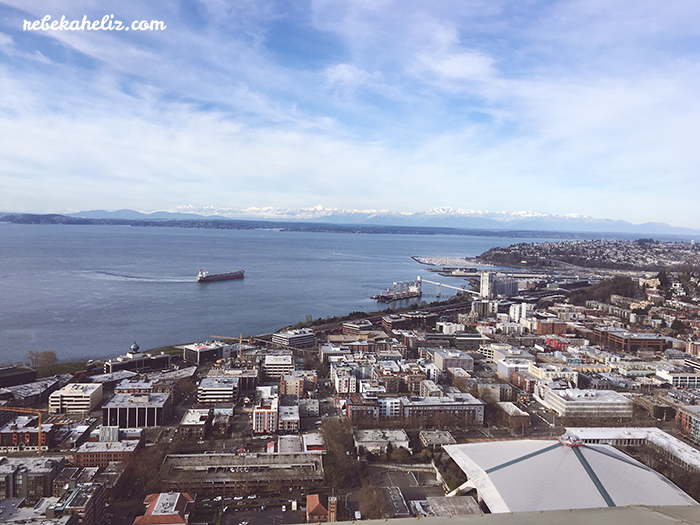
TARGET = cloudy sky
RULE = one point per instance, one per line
(586, 107)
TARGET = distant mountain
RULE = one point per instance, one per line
(134, 215)
(445, 217)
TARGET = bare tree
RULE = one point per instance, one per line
(32, 358)
(46, 361)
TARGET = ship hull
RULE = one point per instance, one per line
(221, 277)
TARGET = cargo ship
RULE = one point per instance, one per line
(205, 277)
(401, 290)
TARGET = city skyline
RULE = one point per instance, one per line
(584, 108)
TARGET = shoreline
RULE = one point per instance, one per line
(63, 367)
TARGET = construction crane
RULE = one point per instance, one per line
(31, 411)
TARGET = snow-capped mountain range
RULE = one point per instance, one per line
(445, 217)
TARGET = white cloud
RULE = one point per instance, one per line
(466, 65)
(556, 107)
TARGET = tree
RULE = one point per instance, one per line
(400, 455)
(32, 358)
(340, 466)
(679, 326)
(372, 500)
(43, 362)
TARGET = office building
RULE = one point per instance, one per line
(136, 410)
(75, 398)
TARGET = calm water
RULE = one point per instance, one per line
(90, 291)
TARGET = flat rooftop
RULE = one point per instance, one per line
(195, 416)
(133, 400)
(108, 446)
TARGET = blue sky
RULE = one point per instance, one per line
(568, 107)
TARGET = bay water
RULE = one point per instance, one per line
(89, 292)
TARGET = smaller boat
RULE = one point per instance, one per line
(205, 277)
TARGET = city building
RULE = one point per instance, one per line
(16, 375)
(29, 478)
(86, 500)
(291, 384)
(317, 513)
(593, 404)
(75, 398)
(239, 474)
(247, 378)
(265, 419)
(436, 439)
(393, 322)
(360, 407)
(167, 508)
(288, 419)
(688, 418)
(71, 477)
(134, 386)
(22, 433)
(137, 361)
(301, 338)
(136, 410)
(357, 327)
(15, 511)
(207, 352)
(389, 407)
(680, 379)
(463, 409)
(276, 366)
(445, 359)
(485, 288)
(309, 408)
(218, 390)
(513, 417)
(428, 388)
(102, 453)
(376, 441)
(195, 424)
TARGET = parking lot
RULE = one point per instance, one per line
(401, 486)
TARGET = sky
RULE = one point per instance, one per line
(567, 107)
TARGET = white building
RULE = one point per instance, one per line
(508, 365)
(573, 402)
(213, 390)
(301, 338)
(680, 379)
(553, 371)
(519, 311)
(389, 407)
(75, 398)
(278, 365)
(344, 381)
(485, 288)
(449, 328)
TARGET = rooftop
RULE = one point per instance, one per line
(539, 475)
(119, 400)
(195, 416)
(379, 435)
(108, 446)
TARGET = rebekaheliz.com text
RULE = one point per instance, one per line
(107, 23)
